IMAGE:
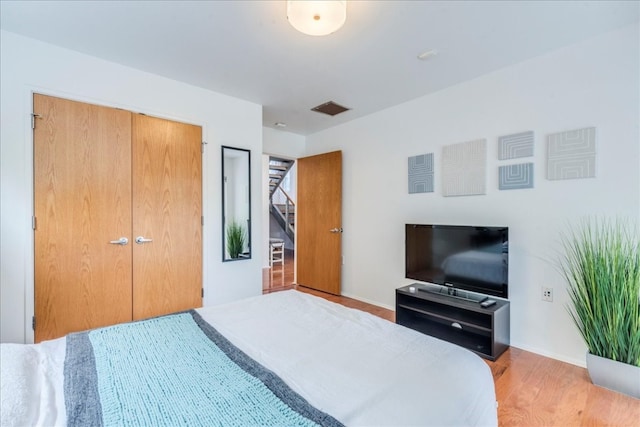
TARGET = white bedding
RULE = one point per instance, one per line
(358, 368)
(31, 379)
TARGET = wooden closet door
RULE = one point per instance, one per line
(167, 211)
(82, 201)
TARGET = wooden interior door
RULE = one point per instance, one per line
(319, 222)
(167, 209)
(82, 201)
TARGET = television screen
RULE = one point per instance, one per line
(462, 257)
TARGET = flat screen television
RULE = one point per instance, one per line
(459, 257)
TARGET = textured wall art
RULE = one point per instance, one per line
(515, 177)
(464, 168)
(421, 174)
(571, 154)
(515, 145)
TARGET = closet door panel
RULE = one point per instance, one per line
(82, 202)
(167, 212)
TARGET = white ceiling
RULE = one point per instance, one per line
(248, 50)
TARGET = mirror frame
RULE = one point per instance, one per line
(246, 254)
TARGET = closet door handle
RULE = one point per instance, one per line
(121, 241)
(140, 240)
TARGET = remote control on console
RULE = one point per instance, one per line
(487, 303)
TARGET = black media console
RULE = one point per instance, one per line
(484, 331)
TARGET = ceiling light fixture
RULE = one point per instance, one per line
(316, 17)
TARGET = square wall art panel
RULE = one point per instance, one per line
(571, 154)
(515, 145)
(464, 168)
(515, 177)
(421, 174)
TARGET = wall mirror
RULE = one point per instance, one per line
(236, 204)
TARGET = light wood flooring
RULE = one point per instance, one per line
(532, 390)
(280, 276)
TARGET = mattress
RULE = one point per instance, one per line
(356, 367)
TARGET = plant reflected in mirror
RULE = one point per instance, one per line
(236, 204)
(235, 239)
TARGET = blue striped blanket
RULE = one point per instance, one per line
(174, 370)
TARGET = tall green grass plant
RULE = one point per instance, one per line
(235, 239)
(602, 267)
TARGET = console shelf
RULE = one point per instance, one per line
(484, 331)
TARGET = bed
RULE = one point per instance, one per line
(329, 364)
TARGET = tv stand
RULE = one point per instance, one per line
(484, 331)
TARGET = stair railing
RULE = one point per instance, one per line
(280, 197)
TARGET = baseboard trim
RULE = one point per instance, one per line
(368, 301)
(577, 362)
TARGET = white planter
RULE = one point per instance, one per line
(616, 376)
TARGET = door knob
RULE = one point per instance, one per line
(121, 241)
(336, 230)
(140, 240)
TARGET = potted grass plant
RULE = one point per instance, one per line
(235, 239)
(602, 267)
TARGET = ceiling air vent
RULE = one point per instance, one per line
(330, 108)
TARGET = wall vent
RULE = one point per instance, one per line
(330, 108)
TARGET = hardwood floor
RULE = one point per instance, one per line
(280, 276)
(532, 390)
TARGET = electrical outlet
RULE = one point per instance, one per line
(547, 294)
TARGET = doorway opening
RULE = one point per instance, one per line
(282, 224)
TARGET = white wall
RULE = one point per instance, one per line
(283, 144)
(594, 83)
(29, 66)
